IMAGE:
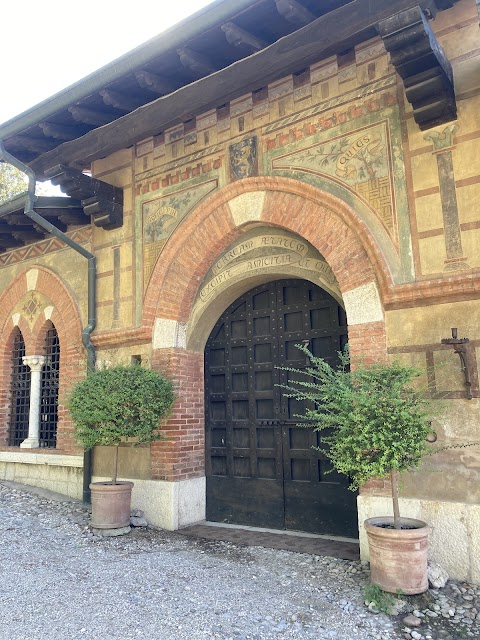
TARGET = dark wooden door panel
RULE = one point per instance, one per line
(323, 510)
(246, 501)
(261, 467)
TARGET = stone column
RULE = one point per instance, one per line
(35, 363)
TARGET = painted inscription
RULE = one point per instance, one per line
(162, 215)
(262, 253)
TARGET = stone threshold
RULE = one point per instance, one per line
(297, 541)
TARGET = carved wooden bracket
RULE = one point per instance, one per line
(101, 201)
(420, 61)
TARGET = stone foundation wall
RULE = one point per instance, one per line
(63, 474)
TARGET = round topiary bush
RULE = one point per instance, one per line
(119, 404)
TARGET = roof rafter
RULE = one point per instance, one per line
(342, 28)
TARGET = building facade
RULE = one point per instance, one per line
(337, 201)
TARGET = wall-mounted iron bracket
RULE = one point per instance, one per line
(460, 346)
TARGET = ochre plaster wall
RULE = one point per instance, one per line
(331, 158)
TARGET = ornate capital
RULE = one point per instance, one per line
(34, 362)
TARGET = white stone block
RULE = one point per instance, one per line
(248, 207)
(169, 334)
(363, 304)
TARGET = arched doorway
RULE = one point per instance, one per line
(260, 466)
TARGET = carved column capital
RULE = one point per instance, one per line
(34, 362)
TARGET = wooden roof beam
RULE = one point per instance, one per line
(294, 12)
(73, 218)
(37, 145)
(153, 82)
(10, 228)
(57, 223)
(119, 100)
(18, 219)
(28, 235)
(196, 62)
(8, 241)
(236, 35)
(61, 131)
(102, 202)
(331, 33)
(423, 66)
(90, 116)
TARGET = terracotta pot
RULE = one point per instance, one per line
(111, 504)
(398, 557)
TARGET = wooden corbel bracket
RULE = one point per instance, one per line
(422, 64)
(101, 201)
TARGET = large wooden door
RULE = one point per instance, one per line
(261, 468)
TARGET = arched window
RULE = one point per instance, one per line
(20, 393)
(49, 390)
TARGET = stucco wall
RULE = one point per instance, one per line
(333, 162)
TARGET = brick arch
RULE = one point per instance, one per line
(325, 221)
(67, 321)
(5, 377)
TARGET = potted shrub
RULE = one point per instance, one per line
(111, 406)
(375, 424)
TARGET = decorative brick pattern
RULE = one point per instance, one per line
(65, 316)
(309, 128)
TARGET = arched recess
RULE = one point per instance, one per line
(58, 307)
(323, 220)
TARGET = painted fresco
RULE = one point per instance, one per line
(161, 216)
(243, 159)
(354, 151)
(30, 306)
(360, 160)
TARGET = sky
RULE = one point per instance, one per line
(47, 46)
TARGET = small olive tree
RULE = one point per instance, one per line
(119, 404)
(375, 422)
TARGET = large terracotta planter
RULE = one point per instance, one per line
(398, 557)
(111, 504)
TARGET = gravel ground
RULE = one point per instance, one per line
(58, 580)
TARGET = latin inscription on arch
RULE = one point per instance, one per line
(263, 253)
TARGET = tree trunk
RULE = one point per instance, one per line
(396, 508)
(115, 465)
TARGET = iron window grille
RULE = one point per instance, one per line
(20, 394)
(49, 391)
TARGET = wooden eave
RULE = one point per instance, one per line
(241, 52)
(17, 230)
(89, 200)
(196, 47)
